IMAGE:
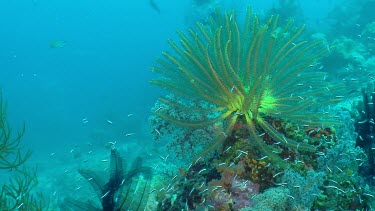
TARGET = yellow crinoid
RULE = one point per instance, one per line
(245, 72)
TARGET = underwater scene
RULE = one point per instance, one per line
(161, 105)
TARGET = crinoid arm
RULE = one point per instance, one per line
(246, 69)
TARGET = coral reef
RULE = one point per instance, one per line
(241, 88)
(348, 15)
(275, 199)
(343, 186)
(351, 62)
(246, 123)
(351, 59)
(185, 141)
(303, 191)
(248, 108)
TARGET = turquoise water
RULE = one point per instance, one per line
(100, 73)
(77, 74)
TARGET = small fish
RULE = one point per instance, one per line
(57, 44)
(182, 172)
(129, 134)
(353, 91)
(154, 6)
(84, 120)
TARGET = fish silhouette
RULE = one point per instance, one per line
(154, 6)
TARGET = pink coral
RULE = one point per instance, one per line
(239, 195)
(221, 199)
(242, 193)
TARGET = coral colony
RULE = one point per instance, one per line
(249, 112)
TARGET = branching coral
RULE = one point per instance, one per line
(304, 190)
(18, 194)
(10, 151)
(245, 74)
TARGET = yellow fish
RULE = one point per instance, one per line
(57, 44)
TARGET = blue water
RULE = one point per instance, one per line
(98, 69)
(101, 72)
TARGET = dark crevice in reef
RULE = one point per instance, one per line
(365, 127)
